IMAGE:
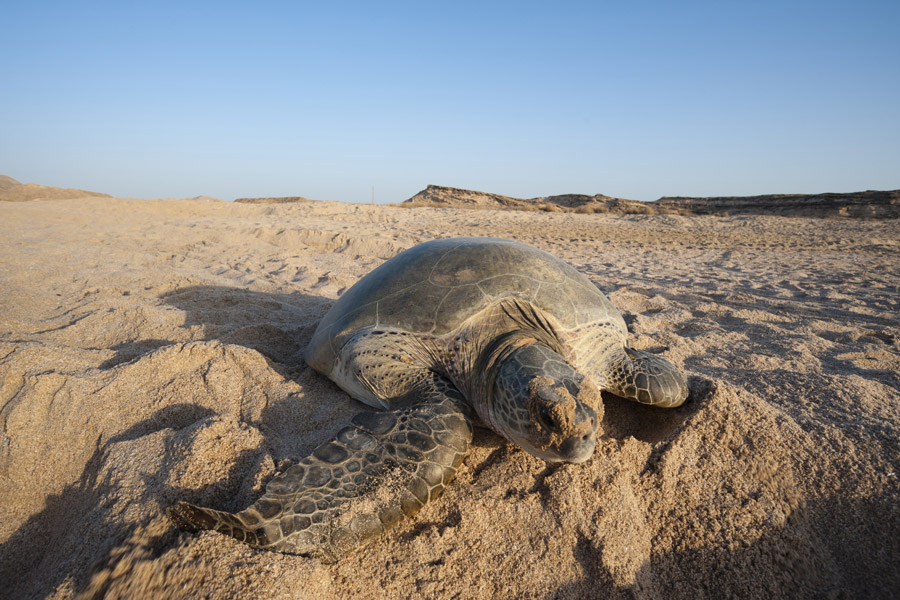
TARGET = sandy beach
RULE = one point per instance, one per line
(151, 351)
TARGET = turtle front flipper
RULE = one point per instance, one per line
(382, 467)
(646, 378)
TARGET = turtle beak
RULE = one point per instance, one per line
(579, 448)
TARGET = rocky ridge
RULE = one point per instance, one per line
(442, 196)
(278, 200)
(868, 204)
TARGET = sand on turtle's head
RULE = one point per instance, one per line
(558, 415)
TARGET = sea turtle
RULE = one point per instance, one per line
(446, 335)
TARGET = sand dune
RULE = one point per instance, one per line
(13, 191)
(7, 182)
(150, 351)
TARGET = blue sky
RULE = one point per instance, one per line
(325, 100)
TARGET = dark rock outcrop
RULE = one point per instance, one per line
(869, 204)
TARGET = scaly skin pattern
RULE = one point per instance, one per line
(351, 489)
(645, 378)
(601, 351)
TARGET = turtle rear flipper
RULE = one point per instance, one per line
(382, 467)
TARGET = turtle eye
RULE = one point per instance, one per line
(545, 417)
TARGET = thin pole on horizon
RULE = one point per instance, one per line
(373, 194)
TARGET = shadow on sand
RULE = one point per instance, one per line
(82, 531)
(824, 549)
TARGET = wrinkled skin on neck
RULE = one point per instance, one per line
(544, 405)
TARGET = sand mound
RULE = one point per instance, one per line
(151, 351)
(7, 182)
(13, 191)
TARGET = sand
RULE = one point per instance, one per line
(151, 351)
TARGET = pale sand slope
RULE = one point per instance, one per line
(151, 351)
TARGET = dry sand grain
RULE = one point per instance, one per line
(151, 351)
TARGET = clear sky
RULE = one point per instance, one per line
(326, 99)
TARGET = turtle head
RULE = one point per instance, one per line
(544, 405)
